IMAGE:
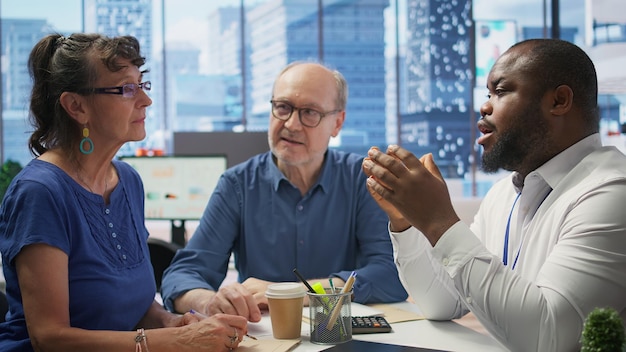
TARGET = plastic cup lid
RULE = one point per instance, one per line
(285, 290)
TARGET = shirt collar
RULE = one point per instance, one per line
(324, 181)
(561, 164)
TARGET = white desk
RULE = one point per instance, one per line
(448, 335)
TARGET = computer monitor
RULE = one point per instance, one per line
(177, 187)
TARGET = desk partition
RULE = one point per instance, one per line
(237, 146)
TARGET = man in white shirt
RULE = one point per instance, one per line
(548, 243)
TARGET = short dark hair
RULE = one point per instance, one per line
(60, 64)
(556, 62)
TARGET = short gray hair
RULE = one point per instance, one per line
(340, 81)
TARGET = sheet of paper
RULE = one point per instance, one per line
(262, 329)
(266, 345)
(394, 314)
(369, 346)
(265, 341)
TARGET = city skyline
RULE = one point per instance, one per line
(526, 12)
(191, 27)
(187, 26)
(65, 15)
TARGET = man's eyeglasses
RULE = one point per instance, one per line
(128, 90)
(308, 117)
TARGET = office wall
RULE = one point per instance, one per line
(237, 147)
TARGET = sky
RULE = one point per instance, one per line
(184, 25)
(65, 15)
(191, 26)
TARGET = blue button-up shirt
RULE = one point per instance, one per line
(257, 214)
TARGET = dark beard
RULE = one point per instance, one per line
(520, 145)
(508, 152)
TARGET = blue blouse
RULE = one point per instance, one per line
(111, 283)
(257, 214)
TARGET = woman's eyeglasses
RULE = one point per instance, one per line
(128, 90)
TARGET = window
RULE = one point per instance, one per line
(410, 74)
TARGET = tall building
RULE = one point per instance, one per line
(226, 57)
(438, 55)
(606, 38)
(121, 17)
(224, 54)
(438, 83)
(199, 101)
(283, 31)
(18, 38)
(133, 17)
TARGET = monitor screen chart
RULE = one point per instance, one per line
(177, 187)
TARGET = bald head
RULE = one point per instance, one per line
(310, 68)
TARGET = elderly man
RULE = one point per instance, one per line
(301, 205)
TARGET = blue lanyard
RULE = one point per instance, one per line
(505, 255)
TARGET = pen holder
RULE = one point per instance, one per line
(330, 317)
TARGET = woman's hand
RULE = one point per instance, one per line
(220, 332)
(186, 319)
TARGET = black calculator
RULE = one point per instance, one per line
(370, 325)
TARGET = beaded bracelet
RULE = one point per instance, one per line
(141, 339)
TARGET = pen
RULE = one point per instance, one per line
(347, 287)
(333, 291)
(295, 271)
(205, 316)
(310, 288)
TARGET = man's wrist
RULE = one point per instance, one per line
(437, 230)
(197, 299)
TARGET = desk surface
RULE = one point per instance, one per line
(445, 335)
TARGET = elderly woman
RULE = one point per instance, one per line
(72, 231)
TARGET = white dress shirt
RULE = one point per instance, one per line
(569, 228)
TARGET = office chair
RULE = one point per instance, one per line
(161, 255)
(4, 306)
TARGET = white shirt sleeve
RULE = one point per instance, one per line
(514, 310)
(425, 278)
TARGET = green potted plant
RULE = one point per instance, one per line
(603, 331)
(9, 169)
